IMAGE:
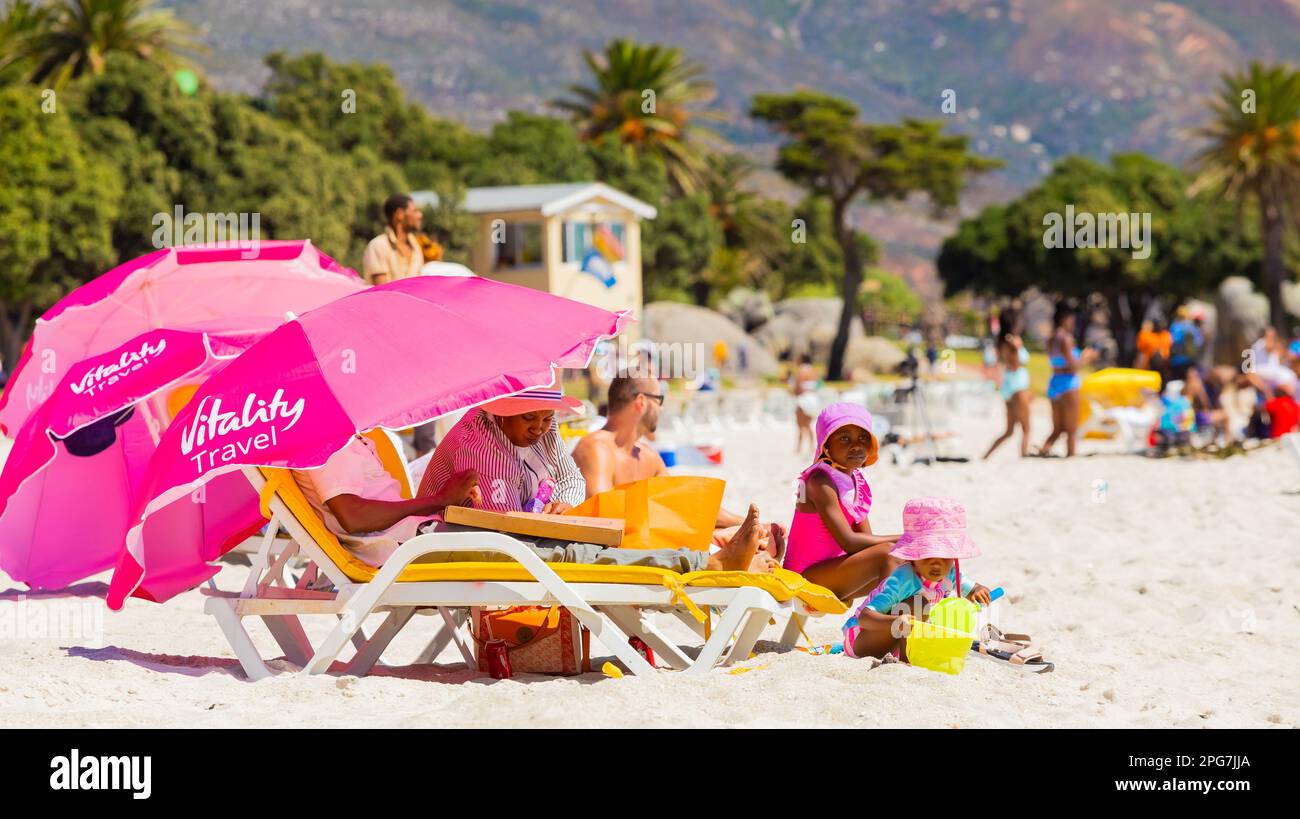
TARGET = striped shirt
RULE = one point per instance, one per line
(505, 471)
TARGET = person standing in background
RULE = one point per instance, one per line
(803, 385)
(1148, 344)
(1186, 344)
(720, 354)
(1201, 322)
(1064, 386)
(1014, 384)
(396, 253)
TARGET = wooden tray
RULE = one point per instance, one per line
(601, 531)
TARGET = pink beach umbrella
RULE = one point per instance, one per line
(69, 483)
(391, 356)
(206, 288)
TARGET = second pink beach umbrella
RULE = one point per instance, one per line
(68, 485)
(391, 356)
(201, 288)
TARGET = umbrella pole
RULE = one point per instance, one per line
(153, 412)
(154, 409)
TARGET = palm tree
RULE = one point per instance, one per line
(755, 230)
(620, 106)
(724, 179)
(78, 34)
(20, 23)
(1254, 155)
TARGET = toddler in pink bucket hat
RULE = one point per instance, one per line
(933, 543)
(934, 527)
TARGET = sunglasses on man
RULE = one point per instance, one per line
(657, 397)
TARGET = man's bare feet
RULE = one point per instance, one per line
(771, 538)
(737, 554)
(776, 544)
(763, 563)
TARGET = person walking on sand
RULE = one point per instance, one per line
(1148, 342)
(1186, 342)
(1015, 390)
(1065, 383)
(803, 385)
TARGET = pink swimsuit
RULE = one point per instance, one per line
(810, 542)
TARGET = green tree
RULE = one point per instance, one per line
(300, 189)
(22, 20)
(642, 176)
(232, 158)
(1193, 244)
(530, 149)
(181, 128)
(756, 231)
(154, 186)
(832, 154)
(1253, 156)
(678, 250)
(726, 179)
(454, 228)
(346, 107)
(814, 262)
(888, 296)
(641, 99)
(760, 241)
(57, 207)
(76, 37)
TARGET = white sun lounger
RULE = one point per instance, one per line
(610, 601)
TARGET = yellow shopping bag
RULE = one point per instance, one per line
(666, 512)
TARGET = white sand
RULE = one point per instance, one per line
(1172, 603)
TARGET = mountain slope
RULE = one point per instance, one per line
(1033, 80)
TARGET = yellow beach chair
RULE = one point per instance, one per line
(1116, 405)
(610, 601)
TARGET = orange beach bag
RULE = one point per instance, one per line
(539, 639)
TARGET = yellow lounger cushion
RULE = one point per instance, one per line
(782, 584)
(488, 571)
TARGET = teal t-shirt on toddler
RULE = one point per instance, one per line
(903, 584)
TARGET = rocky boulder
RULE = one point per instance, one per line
(805, 327)
(871, 355)
(1242, 316)
(673, 323)
(748, 308)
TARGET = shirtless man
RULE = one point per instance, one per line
(612, 455)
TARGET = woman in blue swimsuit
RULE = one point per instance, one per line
(1063, 388)
(1015, 388)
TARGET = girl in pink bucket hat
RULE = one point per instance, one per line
(831, 542)
(933, 543)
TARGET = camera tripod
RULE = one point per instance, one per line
(914, 399)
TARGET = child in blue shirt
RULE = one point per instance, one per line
(933, 542)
